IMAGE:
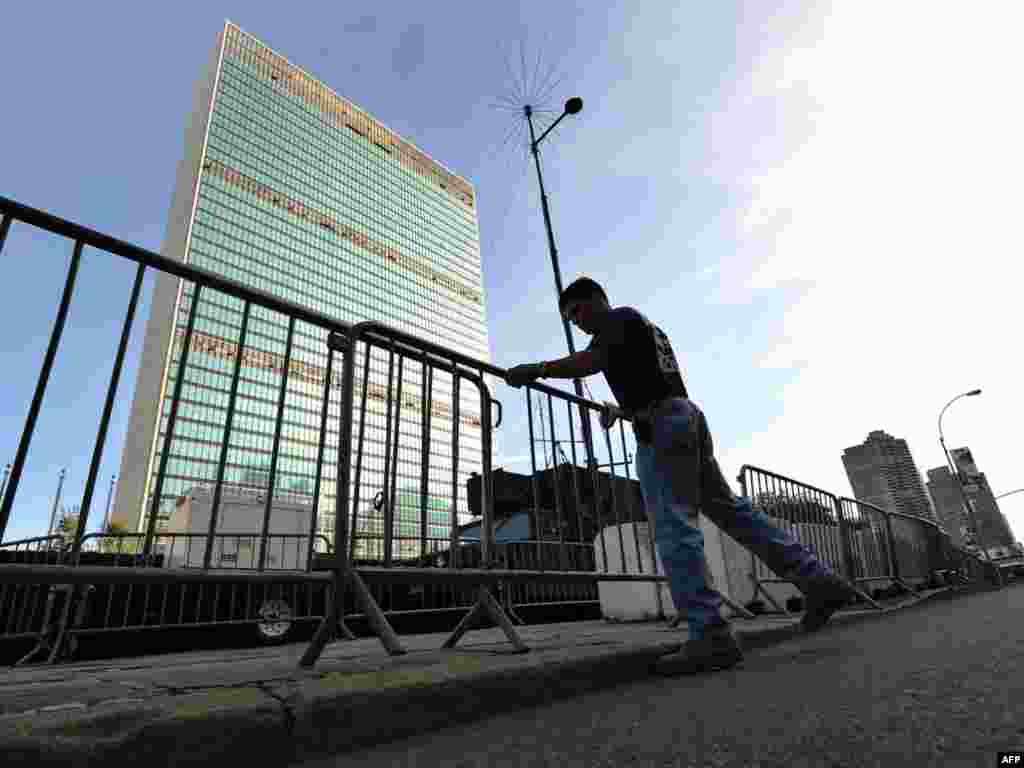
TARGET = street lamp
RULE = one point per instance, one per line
(942, 440)
(56, 502)
(959, 480)
(1010, 493)
(572, 107)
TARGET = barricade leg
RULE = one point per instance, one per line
(487, 606)
(325, 633)
(47, 631)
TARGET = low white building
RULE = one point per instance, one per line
(237, 539)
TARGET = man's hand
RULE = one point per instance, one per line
(522, 374)
(609, 415)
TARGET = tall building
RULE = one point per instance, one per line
(993, 529)
(882, 472)
(288, 188)
(949, 505)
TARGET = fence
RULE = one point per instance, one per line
(301, 361)
(395, 556)
(860, 541)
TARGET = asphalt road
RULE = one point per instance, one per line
(938, 685)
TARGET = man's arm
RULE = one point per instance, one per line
(576, 366)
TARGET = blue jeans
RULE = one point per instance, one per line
(680, 477)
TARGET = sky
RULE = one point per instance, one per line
(816, 202)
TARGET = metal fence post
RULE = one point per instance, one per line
(894, 563)
(845, 538)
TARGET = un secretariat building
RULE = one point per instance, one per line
(288, 188)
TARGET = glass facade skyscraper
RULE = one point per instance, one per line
(288, 188)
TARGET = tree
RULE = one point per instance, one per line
(114, 539)
(67, 526)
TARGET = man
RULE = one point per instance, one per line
(679, 475)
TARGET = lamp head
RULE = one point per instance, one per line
(974, 392)
(573, 105)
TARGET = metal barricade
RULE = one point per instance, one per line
(867, 534)
(201, 356)
(582, 501)
(913, 548)
(812, 516)
(294, 350)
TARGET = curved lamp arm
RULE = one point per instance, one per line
(942, 440)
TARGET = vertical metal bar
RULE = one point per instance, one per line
(281, 397)
(893, 562)
(556, 482)
(329, 625)
(321, 444)
(486, 486)
(844, 535)
(426, 403)
(535, 486)
(629, 501)
(838, 540)
(101, 436)
(44, 378)
(360, 450)
(228, 424)
(452, 550)
(391, 503)
(387, 440)
(612, 483)
(595, 500)
(575, 476)
(171, 421)
(847, 540)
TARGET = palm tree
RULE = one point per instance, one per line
(67, 526)
(114, 541)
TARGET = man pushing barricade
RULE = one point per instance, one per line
(679, 475)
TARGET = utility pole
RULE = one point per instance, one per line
(56, 502)
(110, 496)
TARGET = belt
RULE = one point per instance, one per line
(646, 413)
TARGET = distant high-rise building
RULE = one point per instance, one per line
(882, 472)
(949, 505)
(288, 188)
(993, 529)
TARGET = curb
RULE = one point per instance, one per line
(335, 714)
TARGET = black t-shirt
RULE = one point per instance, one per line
(637, 359)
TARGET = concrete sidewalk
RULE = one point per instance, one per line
(256, 707)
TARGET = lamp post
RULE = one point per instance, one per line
(110, 495)
(56, 502)
(1010, 493)
(960, 483)
(572, 107)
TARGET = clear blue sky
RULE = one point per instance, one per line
(815, 205)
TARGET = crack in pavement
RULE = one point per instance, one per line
(286, 708)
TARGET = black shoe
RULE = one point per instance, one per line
(718, 649)
(824, 596)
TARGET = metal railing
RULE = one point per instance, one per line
(556, 563)
(859, 541)
(71, 572)
(434, 365)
